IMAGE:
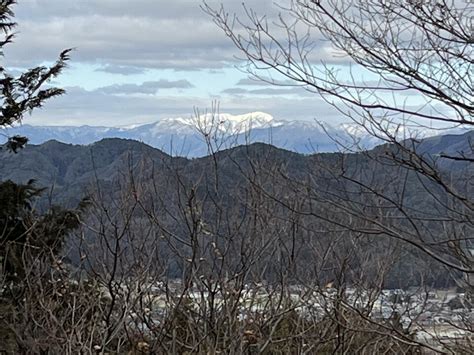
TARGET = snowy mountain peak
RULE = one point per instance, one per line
(223, 123)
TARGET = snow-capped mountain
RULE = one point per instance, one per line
(191, 136)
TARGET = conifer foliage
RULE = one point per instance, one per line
(22, 94)
(24, 233)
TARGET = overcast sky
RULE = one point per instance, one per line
(142, 60)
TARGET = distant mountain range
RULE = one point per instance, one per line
(191, 137)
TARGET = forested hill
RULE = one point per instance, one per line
(71, 170)
(261, 191)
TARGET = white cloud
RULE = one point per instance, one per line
(79, 107)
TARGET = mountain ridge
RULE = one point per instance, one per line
(71, 167)
(192, 136)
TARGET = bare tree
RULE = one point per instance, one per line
(400, 191)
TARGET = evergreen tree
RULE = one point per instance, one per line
(21, 228)
(22, 94)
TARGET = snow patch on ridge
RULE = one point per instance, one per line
(222, 123)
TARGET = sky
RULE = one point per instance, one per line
(143, 60)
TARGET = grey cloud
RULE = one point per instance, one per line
(136, 8)
(120, 69)
(267, 82)
(250, 82)
(235, 91)
(284, 91)
(269, 91)
(148, 87)
(136, 42)
(157, 34)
